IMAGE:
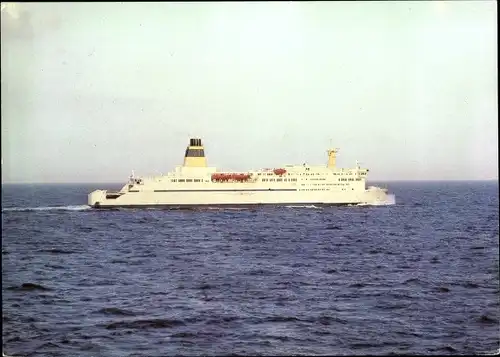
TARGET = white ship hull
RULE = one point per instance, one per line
(372, 196)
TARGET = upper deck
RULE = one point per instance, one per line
(195, 174)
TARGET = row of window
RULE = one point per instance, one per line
(314, 174)
(267, 180)
(350, 179)
(188, 180)
(319, 189)
(314, 189)
(272, 174)
(334, 173)
(326, 184)
(280, 180)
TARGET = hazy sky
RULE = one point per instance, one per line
(91, 91)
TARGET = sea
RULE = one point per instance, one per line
(419, 276)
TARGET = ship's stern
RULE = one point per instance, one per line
(96, 197)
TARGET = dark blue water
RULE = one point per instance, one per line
(418, 277)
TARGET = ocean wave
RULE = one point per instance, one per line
(144, 324)
(4, 355)
(28, 287)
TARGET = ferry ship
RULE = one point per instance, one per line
(195, 184)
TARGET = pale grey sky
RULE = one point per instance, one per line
(91, 91)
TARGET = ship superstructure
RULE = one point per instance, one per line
(196, 184)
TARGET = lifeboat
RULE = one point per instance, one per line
(224, 177)
(279, 171)
(220, 177)
(240, 177)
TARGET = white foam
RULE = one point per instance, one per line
(391, 200)
(303, 206)
(4, 355)
(49, 208)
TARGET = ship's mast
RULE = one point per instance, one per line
(332, 157)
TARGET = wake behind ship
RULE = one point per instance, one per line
(196, 184)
